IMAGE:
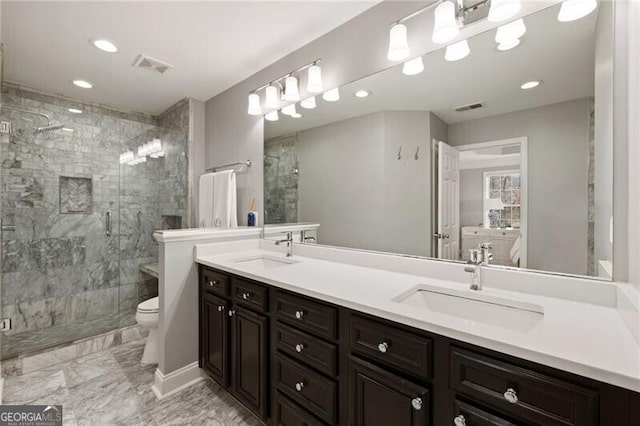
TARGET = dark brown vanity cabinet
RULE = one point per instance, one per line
(297, 361)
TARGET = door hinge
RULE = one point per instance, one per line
(5, 127)
(5, 324)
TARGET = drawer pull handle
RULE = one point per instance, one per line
(383, 347)
(220, 308)
(246, 296)
(460, 421)
(510, 395)
(232, 313)
(299, 386)
(299, 314)
(299, 347)
(213, 283)
(416, 403)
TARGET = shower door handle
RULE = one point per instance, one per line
(108, 223)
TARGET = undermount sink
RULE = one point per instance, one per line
(474, 306)
(265, 261)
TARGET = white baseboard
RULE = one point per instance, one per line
(169, 384)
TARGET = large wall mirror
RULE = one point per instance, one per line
(512, 147)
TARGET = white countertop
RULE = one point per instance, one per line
(582, 338)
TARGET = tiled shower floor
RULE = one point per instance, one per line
(110, 387)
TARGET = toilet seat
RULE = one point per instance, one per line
(149, 306)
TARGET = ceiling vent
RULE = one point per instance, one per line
(469, 107)
(151, 64)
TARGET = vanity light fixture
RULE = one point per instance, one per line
(254, 104)
(309, 103)
(314, 79)
(398, 44)
(332, 95)
(285, 88)
(75, 110)
(291, 92)
(289, 110)
(511, 31)
(104, 45)
(413, 67)
(530, 84)
(508, 45)
(362, 94)
(272, 116)
(501, 10)
(84, 84)
(296, 115)
(571, 10)
(446, 26)
(457, 51)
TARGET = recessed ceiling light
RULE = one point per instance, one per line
(75, 110)
(104, 45)
(530, 84)
(362, 94)
(66, 129)
(508, 45)
(83, 83)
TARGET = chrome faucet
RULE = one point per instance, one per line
(304, 238)
(478, 258)
(289, 241)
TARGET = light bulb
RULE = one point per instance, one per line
(446, 27)
(398, 44)
(508, 45)
(457, 51)
(272, 116)
(272, 98)
(291, 92)
(413, 67)
(332, 95)
(254, 104)
(289, 109)
(314, 79)
(576, 9)
(309, 103)
(501, 10)
(510, 31)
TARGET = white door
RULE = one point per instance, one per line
(448, 202)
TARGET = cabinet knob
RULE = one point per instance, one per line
(220, 308)
(460, 421)
(510, 395)
(232, 313)
(213, 283)
(299, 386)
(245, 296)
(383, 347)
(299, 314)
(299, 347)
(416, 403)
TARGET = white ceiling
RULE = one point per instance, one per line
(559, 54)
(212, 45)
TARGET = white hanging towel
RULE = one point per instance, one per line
(205, 201)
(225, 206)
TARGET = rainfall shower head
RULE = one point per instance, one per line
(47, 129)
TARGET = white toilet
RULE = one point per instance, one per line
(147, 317)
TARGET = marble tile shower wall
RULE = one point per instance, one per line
(281, 179)
(63, 278)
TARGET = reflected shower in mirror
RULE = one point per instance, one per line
(511, 145)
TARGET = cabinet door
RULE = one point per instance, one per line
(379, 398)
(250, 361)
(214, 338)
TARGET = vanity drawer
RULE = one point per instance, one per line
(288, 413)
(308, 315)
(527, 394)
(392, 346)
(249, 294)
(310, 350)
(310, 389)
(469, 415)
(214, 282)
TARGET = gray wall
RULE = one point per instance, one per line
(558, 138)
(603, 132)
(472, 194)
(633, 83)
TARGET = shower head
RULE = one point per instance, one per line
(47, 129)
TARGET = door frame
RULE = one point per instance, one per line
(523, 141)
